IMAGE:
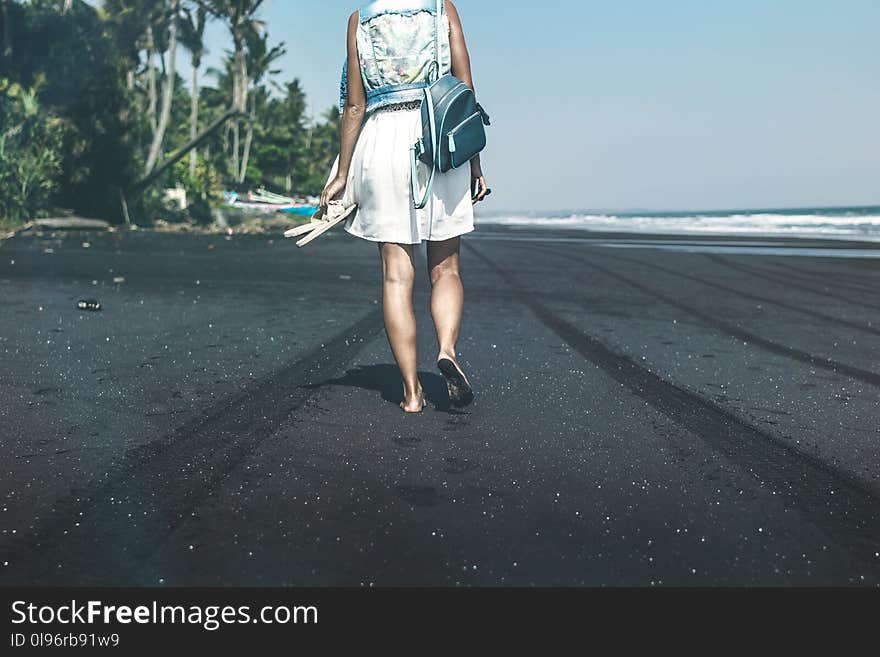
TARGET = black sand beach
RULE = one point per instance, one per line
(650, 411)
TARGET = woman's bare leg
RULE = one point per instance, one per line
(447, 303)
(398, 276)
(447, 294)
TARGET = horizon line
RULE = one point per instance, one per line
(753, 210)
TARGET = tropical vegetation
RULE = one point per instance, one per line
(103, 106)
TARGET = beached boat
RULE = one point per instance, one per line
(264, 201)
(265, 196)
(302, 210)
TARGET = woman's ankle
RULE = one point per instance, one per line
(447, 353)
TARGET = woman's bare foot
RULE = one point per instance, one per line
(414, 403)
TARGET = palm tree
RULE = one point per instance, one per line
(240, 16)
(153, 102)
(147, 25)
(220, 118)
(192, 35)
(219, 95)
(168, 90)
(132, 22)
(259, 60)
(153, 15)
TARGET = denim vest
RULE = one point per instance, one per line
(395, 42)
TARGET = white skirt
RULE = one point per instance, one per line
(379, 183)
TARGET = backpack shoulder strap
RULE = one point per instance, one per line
(437, 23)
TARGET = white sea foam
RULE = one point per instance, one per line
(857, 225)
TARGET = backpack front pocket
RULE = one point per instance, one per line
(465, 140)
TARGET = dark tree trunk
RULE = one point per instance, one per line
(6, 46)
(194, 119)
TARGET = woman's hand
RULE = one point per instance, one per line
(333, 190)
(479, 189)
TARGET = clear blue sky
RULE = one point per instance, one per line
(685, 104)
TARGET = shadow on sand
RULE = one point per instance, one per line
(385, 379)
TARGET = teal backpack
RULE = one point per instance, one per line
(452, 123)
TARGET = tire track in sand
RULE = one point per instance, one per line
(107, 532)
(829, 498)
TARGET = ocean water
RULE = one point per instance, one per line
(859, 223)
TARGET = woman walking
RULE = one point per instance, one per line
(390, 51)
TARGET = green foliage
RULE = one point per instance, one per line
(85, 87)
(323, 149)
(30, 153)
(290, 153)
(204, 190)
(152, 206)
(88, 137)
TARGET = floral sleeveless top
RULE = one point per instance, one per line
(396, 50)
